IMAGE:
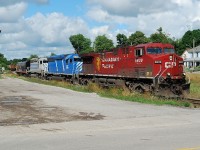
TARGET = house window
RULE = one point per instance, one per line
(192, 55)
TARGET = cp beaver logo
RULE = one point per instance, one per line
(98, 64)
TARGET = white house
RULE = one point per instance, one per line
(191, 56)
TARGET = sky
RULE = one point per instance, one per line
(43, 27)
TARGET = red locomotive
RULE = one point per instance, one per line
(150, 67)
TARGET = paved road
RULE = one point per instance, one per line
(124, 125)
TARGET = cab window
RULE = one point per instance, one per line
(169, 51)
(154, 50)
(138, 52)
(77, 59)
(67, 60)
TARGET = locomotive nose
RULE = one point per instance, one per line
(173, 65)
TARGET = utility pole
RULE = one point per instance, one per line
(193, 53)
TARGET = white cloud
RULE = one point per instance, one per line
(12, 2)
(40, 34)
(98, 14)
(183, 2)
(174, 16)
(12, 13)
(45, 33)
(133, 7)
(99, 30)
(55, 27)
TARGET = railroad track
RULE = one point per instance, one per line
(194, 101)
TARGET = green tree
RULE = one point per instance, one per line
(3, 61)
(14, 61)
(189, 36)
(122, 40)
(137, 38)
(80, 43)
(33, 56)
(103, 43)
(187, 41)
(160, 37)
(179, 46)
(52, 54)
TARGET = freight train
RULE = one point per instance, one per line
(152, 67)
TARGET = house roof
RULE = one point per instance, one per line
(195, 49)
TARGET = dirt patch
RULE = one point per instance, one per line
(23, 110)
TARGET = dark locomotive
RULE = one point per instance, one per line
(23, 67)
(152, 67)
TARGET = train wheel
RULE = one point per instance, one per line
(71, 81)
(131, 87)
(139, 89)
(176, 89)
(84, 82)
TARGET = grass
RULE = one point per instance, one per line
(195, 85)
(146, 98)
(116, 93)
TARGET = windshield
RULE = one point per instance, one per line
(154, 50)
(77, 59)
(169, 51)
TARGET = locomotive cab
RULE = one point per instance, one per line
(167, 70)
(38, 67)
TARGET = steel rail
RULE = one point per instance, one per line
(194, 101)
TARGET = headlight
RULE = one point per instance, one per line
(168, 74)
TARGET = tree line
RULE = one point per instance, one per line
(82, 44)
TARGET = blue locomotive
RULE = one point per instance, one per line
(66, 66)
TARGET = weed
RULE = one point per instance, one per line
(117, 93)
(195, 85)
